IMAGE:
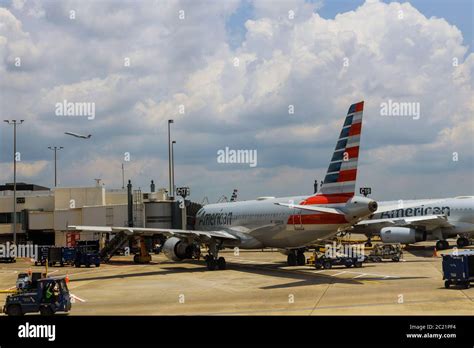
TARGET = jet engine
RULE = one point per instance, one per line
(403, 235)
(175, 249)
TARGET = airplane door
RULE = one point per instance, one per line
(297, 220)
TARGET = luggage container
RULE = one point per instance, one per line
(458, 269)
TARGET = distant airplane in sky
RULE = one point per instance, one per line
(78, 135)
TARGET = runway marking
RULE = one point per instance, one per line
(360, 275)
(77, 298)
(333, 275)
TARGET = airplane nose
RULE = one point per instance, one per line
(373, 206)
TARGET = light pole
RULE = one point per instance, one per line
(172, 164)
(123, 177)
(169, 159)
(14, 123)
(55, 149)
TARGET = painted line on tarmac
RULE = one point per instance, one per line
(333, 275)
(249, 261)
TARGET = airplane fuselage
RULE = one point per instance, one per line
(261, 223)
(459, 212)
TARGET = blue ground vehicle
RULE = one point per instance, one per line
(43, 253)
(458, 268)
(87, 257)
(68, 255)
(50, 295)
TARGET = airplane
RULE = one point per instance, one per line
(78, 135)
(288, 223)
(412, 221)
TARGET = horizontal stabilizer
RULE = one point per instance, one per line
(313, 208)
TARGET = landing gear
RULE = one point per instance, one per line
(221, 264)
(442, 245)
(462, 242)
(213, 263)
(296, 258)
(292, 261)
(212, 259)
(300, 258)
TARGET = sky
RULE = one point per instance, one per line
(228, 73)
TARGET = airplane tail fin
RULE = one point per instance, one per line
(341, 175)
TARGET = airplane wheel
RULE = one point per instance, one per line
(211, 264)
(447, 284)
(301, 259)
(440, 245)
(462, 242)
(221, 264)
(292, 259)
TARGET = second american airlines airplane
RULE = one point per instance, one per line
(413, 221)
(287, 223)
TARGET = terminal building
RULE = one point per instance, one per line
(43, 214)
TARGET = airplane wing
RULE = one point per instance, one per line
(428, 221)
(168, 232)
(313, 208)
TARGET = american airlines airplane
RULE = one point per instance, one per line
(288, 223)
(414, 221)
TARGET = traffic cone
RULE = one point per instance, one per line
(435, 252)
(67, 278)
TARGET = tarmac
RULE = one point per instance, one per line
(258, 283)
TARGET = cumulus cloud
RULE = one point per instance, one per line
(182, 66)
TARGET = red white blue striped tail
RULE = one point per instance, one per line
(341, 175)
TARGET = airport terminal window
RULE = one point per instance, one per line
(7, 218)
